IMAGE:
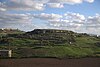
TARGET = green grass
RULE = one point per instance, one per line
(83, 47)
(65, 52)
(56, 51)
(86, 41)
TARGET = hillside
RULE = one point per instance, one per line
(51, 43)
(51, 36)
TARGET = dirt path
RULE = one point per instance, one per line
(50, 62)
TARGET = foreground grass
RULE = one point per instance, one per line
(55, 51)
(83, 47)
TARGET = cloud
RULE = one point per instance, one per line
(66, 1)
(90, 1)
(67, 21)
(76, 17)
(55, 5)
(23, 5)
(70, 1)
(72, 21)
(59, 3)
(2, 9)
(30, 5)
(64, 23)
(20, 21)
(93, 22)
(45, 16)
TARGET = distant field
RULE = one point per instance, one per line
(50, 62)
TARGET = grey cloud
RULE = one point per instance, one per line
(55, 5)
(20, 21)
(73, 21)
(45, 16)
(23, 5)
(68, 21)
(28, 5)
(70, 1)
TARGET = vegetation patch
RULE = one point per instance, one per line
(50, 43)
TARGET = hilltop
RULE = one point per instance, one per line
(51, 43)
(10, 31)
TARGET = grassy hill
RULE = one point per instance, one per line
(51, 43)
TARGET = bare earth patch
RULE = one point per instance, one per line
(50, 62)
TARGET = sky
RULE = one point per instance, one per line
(81, 16)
